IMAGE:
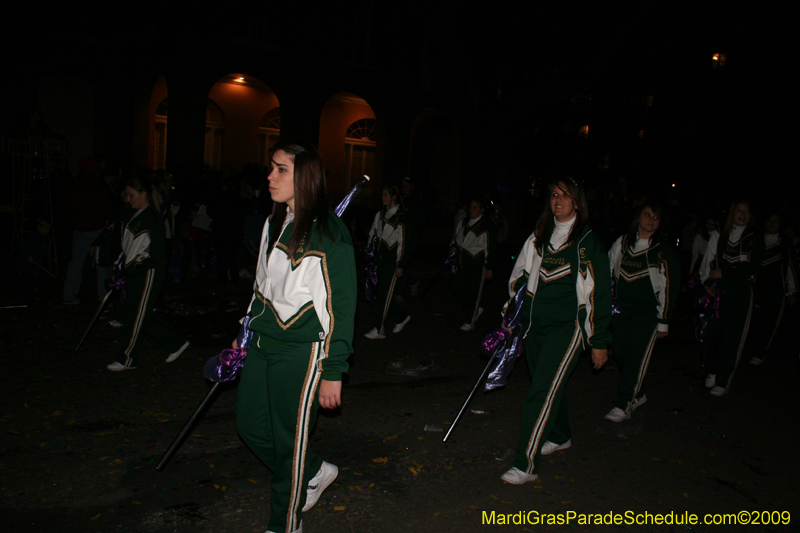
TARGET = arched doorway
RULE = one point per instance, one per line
(243, 101)
(269, 133)
(348, 141)
(360, 141)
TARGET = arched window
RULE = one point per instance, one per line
(215, 127)
(160, 145)
(269, 132)
(359, 145)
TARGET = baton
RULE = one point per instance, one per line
(475, 388)
(97, 314)
(198, 414)
(43, 268)
(436, 277)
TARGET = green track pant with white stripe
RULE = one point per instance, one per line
(276, 407)
(634, 338)
(552, 349)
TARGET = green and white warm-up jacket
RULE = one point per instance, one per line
(310, 297)
(662, 268)
(475, 244)
(589, 266)
(739, 261)
(143, 245)
(390, 228)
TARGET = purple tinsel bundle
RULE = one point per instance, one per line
(116, 285)
(371, 271)
(708, 306)
(505, 346)
(450, 261)
(226, 365)
(342, 207)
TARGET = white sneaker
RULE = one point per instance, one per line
(466, 326)
(515, 476)
(617, 415)
(719, 391)
(552, 447)
(638, 401)
(177, 354)
(756, 361)
(116, 366)
(711, 380)
(374, 335)
(325, 476)
(399, 327)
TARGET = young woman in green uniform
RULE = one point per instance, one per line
(732, 259)
(390, 230)
(474, 245)
(647, 282)
(302, 314)
(775, 285)
(567, 307)
(145, 266)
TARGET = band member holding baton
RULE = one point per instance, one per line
(566, 308)
(474, 246)
(302, 316)
(390, 230)
(144, 264)
(647, 277)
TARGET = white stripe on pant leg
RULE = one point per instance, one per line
(742, 340)
(478, 301)
(306, 404)
(141, 312)
(388, 304)
(544, 414)
(643, 369)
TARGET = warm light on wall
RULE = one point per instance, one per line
(718, 60)
(584, 130)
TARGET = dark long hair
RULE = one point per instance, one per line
(633, 232)
(309, 194)
(142, 183)
(393, 190)
(545, 224)
(726, 232)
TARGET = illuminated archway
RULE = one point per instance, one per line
(269, 133)
(157, 129)
(243, 101)
(347, 143)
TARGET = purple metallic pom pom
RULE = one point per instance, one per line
(493, 340)
(226, 365)
(116, 285)
(371, 271)
(505, 347)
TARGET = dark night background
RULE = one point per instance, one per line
(467, 96)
